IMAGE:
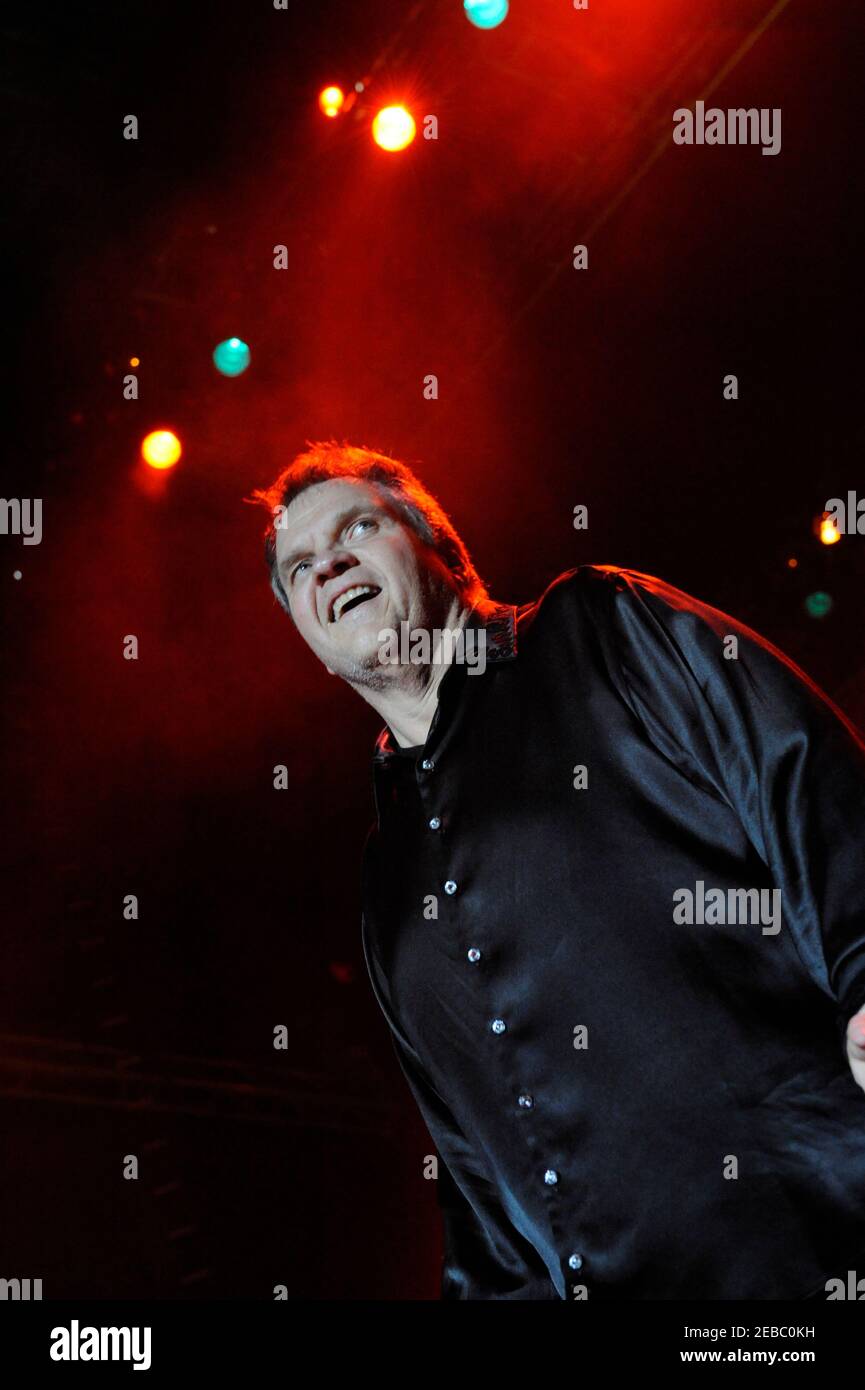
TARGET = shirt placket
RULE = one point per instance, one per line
(435, 786)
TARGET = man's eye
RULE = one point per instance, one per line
(361, 521)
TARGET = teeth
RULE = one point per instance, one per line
(350, 594)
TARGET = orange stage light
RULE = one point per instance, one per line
(393, 128)
(828, 532)
(330, 100)
(161, 449)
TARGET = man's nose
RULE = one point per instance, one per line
(331, 563)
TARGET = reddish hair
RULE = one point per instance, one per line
(328, 460)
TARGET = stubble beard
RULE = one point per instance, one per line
(369, 673)
(366, 672)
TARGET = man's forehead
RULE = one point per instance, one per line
(321, 501)
(322, 505)
(333, 493)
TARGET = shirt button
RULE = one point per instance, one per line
(450, 886)
(435, 823)
(551, 1177)
(473, 954)
(525, 1101)
(498, 1025)
(427, 764)
(575, 1261)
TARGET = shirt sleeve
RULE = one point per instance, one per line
(757, 732)
(485, 1256)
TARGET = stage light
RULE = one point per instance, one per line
(330, 100)
(231, 357)
(827, 530)
(793, 563)
(486, 14)
(342, 971)
(161, 449)
(817, 605)
(393, 128)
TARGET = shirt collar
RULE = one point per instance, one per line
(500, 645)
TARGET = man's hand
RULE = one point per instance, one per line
(856, 1047)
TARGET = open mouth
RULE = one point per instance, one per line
(352, 598)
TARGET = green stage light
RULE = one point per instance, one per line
(231, 357)
(818, 604)
(486, 14)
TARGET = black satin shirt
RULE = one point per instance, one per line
(626, 1106)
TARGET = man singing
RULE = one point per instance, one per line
(613, 907)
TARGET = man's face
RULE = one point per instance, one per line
(339, 536)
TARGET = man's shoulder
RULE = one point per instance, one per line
(583, 584)
(666, 638)
(602, 592)
(630, 616)
(592, 589)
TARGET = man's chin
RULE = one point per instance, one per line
(360, 667)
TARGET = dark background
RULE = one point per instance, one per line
(604, 387)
